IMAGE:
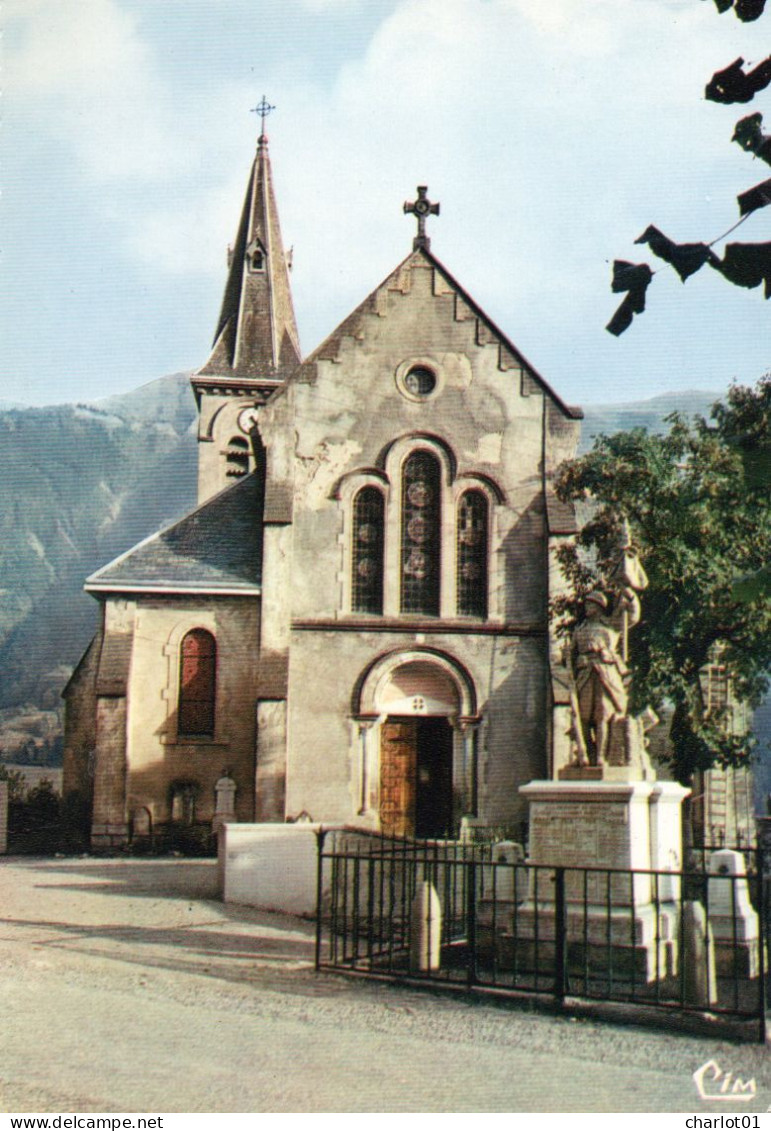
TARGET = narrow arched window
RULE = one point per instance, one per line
(367, 581)
(472, 555)
(237, 457)
(421, 535)
(197, 683)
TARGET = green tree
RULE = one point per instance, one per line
(699, 509)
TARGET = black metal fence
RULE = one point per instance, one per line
(476, 916)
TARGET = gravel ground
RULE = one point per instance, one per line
(128, 987)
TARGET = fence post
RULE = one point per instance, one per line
(560, 936)
(471, 923)
(320, 835)
(371, 908)
(763, 941)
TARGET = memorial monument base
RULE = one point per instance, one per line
(640, 947)
(619, 841)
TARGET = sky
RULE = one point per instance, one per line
(552, 133)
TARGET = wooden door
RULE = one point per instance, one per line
(398, 776)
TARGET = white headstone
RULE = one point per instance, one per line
(731, 914)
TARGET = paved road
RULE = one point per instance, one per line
(125, 986)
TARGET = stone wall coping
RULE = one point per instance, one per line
(597, 791)
(243, 828)
(670, 790)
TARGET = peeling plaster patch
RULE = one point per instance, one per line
(319, 472)
(488, 450)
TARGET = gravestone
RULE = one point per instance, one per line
(225, 801)
(732, 918)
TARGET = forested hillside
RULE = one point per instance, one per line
(78, 485)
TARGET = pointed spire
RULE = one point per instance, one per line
(256, 334)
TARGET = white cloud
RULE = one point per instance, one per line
(552, 132)
(82, 67)
(330, 5)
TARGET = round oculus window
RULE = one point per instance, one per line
(420, 381)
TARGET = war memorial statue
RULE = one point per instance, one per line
(602, 730)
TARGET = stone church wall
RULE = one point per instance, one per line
(80, 733)
(158, 756)
(326, 753)
(492, 428)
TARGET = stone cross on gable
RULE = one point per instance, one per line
(421, 208)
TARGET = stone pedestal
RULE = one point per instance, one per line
(617, 913)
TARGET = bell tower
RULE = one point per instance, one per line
(256, 343)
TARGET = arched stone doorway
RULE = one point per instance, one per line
(416, 777)
(418, 762)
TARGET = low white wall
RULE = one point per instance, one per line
(272, 867)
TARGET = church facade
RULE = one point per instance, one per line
(352, 626)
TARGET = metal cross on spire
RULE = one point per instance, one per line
(263, 109)
(421, 207)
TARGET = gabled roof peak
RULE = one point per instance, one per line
(486, 332)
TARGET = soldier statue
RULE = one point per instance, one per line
(599, 653)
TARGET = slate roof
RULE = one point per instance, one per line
(215, 548)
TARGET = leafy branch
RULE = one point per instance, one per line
(743, 264)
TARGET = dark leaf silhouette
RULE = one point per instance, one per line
(686, 258)
(746, 265)
(751, 138)
(733, 84)
(749, 10)
(745, 10)
(754, 198)
(633, 278)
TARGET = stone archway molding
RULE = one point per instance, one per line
(369, 692)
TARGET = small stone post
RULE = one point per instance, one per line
(425, 929)
(698, 956)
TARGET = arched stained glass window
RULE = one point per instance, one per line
(420, 540)
(197, 684)
(472, 555)
(368, 523)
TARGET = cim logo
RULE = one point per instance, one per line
(712, 1083)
